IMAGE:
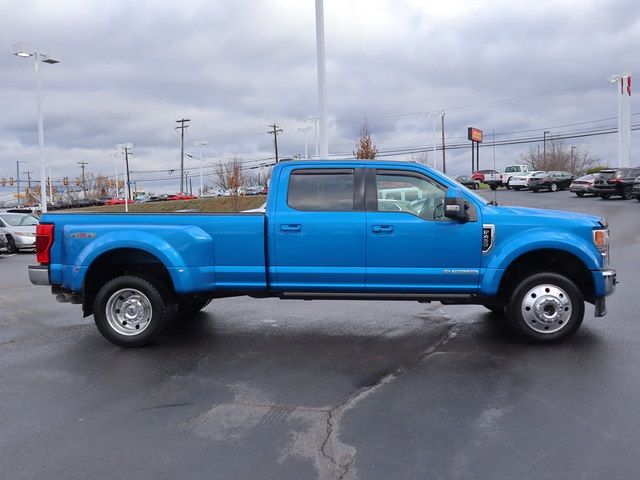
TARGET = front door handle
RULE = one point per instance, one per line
(382, 228)
(290, 228)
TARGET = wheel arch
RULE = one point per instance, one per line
(552, 260)
(123, 261)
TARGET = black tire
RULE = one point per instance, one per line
(189, 306)
(11, 245)
(561, 293)
(605, 196)
(553, 187)
(638, 198)
(534, 190)
(160, 311)
(580, 194)
(493, 186)
(626, 193)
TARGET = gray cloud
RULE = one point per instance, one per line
(130, 69)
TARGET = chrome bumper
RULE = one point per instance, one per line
(610, 282)
(39, 275)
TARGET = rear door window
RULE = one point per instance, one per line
(329, 190)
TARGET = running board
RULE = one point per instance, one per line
(456, 298)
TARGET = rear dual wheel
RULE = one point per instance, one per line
(130, 311)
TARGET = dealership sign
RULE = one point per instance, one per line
(474, 134)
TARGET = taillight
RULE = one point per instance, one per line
(44, 240)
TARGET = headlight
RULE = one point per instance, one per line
(601, 241)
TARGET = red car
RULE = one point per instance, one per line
(181, 196)
(478, 175)
(117, 201)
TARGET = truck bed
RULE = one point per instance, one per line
(206, 251)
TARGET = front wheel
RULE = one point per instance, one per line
(580, 194)
(626, 193)
(130, 311)
(545, 308)
(553, 187)
(493, 186)
(11, 245)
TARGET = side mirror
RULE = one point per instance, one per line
(455, 207)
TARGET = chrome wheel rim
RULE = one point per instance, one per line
(129, 312)
(546, 308)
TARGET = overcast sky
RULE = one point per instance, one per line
(129, 69)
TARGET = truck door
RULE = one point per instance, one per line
(319, 230)
(413, 247)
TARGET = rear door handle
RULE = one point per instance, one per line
(382, 228)
(290, 228)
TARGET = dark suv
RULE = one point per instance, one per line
(615, 182)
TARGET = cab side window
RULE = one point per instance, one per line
(410, 193)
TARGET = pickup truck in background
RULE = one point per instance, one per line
(328, 232)
(496, 180)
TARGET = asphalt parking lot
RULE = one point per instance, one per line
(269, 389)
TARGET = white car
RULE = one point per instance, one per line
(20, 230)
(518, 182)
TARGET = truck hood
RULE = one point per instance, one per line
(556, 215)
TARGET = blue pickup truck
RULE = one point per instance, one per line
(378, 230)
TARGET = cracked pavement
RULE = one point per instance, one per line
(269, 389)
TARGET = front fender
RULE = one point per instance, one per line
(536, 239)
(176, 247)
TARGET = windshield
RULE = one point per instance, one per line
(17, 220)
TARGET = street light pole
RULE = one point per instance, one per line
(201, 144)
(322, 79)
(26, 50)
(305, 130)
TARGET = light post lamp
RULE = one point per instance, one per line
(201, 144)
(306, 131)
(26, 50)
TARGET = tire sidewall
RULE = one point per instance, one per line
(11, 245)
(158, 311)
(514, 307)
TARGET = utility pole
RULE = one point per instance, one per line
(18, 180)
(126, 147)
(444, 162)
(274, 131)
(183, 126)
(84, 183)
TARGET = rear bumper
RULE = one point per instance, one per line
(39, 275)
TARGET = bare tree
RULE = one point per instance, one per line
(365, 148)
(561, 157)
(423, 158)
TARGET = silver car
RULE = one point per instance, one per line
(20, 231)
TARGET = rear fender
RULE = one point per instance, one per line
(177, 247)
